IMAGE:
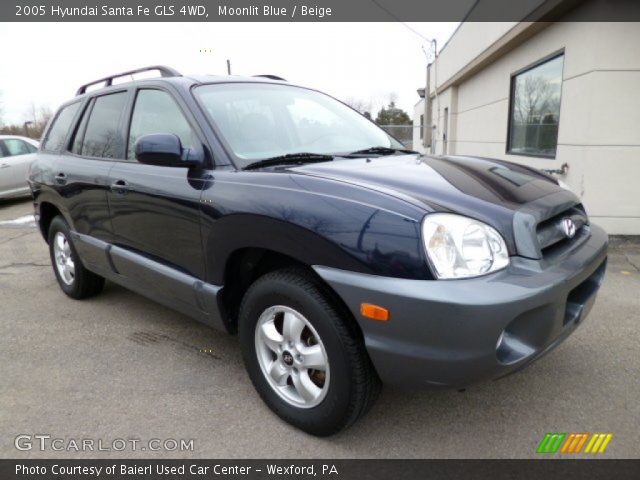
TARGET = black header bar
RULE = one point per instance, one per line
(315, 10)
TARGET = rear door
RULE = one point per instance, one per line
(82, 171)
(155, 209)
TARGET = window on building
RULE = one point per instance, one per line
(535, 109)
(422, 126)
(102, 137)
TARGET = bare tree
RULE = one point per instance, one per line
(360, 105)
(533, 99)
(36, 120)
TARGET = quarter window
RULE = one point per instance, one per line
(156, 112)
(535, 109)
(60, 127)
(102, 137)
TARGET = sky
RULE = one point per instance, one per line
(44, 63)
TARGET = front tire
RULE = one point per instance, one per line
(304, 353)
(74, 280)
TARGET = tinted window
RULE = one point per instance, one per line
(535, 109)
(60, 127)
(156, 112)
(102, 137)
(82, 126)
(15, 146)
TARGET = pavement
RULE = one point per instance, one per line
(119, 366)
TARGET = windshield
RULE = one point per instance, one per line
(260, 121)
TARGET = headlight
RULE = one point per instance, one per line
(460, 247)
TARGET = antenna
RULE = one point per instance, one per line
(228, 67)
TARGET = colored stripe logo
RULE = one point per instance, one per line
(574, 443)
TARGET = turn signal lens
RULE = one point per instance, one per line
(374, 312)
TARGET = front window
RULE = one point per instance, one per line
(535, 109)
(260, 121)
(156, 112)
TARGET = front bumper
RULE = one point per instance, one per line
(456, 332)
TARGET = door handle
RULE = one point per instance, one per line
(5, 165)
(61, 178)
(119, 186)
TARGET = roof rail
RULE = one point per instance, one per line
(271, 77)
(108, 81)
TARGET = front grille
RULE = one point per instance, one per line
(552, 235)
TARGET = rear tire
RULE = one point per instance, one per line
(305, 327)
(74, 280)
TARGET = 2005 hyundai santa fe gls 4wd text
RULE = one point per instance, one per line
(340, 259)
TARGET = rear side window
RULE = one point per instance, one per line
(60, 127)
(155, 111)
(102, 137)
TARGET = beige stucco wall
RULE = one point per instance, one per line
(599, 131)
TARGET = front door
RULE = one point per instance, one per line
(155, 210)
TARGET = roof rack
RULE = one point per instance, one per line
(271, 77)
(108, 81)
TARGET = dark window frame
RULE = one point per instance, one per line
(512, 86)
(80, 127)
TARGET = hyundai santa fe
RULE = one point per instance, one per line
(340, 259)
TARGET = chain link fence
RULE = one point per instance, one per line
(404, 134)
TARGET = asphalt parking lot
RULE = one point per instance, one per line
(121, 366)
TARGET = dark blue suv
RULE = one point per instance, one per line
(341, 259)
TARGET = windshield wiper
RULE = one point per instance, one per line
(290, 158)
(380, 151)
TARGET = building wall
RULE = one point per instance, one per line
(599, 127)
(418, 110)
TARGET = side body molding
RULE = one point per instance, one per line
(161, 283)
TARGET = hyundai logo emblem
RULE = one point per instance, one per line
(568, 227)
(287, 358)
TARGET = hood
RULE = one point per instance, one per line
(492, 191)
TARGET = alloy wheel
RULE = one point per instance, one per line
(292, 356)
(63, 258)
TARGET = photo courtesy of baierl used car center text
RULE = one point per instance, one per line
(290, 239)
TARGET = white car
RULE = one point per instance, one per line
(16, 154)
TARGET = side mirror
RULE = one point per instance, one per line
(162, 149)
